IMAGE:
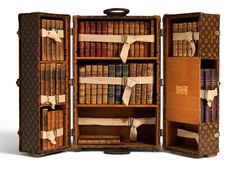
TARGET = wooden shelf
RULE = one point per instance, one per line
(115, 58)
(116, 106)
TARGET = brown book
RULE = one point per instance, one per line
(175, 42)
(132, 72)
(57, 126)
(99, 86)
(105, 86)
(111, 88)
(131, 32)
(44, 42)
(115, 32)
(146, 45)
(47, 79)
(53, 24)
(82, 86)
(118, 88)
(208, 112)
(57, 47)
(53, 80)
(49, 128)
(138, 87)
(136, 44)
(42, 78)
(62, 44)
(61, 125)
(44, 127)
(88, 71)
(150, 70)
(202, 102)
(94, 86)
(195, 29)
(53, 121)
(87, 43)
(98, 139)
(189, 49)
(121, 32)
(126, 32)
(152, 45)
(81, 44)
(215, 100)
(58, 79)
(92, 44)
(98, 44)
(49, 42)
(110, 45)
(63, 79)
(141, 44)
(144, 86)
(104, 50)
(180, 42)
(185, 48)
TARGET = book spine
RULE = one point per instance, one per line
(49, 42)
(110, 45)
(202, 101)
(152, 45)
(49, 128)
(44, 127)
(92, 44)
(63, 79)
(53, 80)
(118, 88)
(82, 86)
(214, 102)
(104, 50)
(185, 49)
(57, 126)
(61, 125)
(94, 86)
(121, 32)
(105, 86)
(99, 86)
(43, 81)
(81, 43)
(144, 86)
(53, 125)
(189, 49)
(115, 32)
(131, 32)
(208, 87)
(111, 88)
(175, 42)
(146, 32)
(138, 88)
(57, 46)
(88, 69)
(47, 79)
(87, 43)
(53, 24)
(44, 42)
(141, 44)
(98, 44)
(132, 71)
(137, 44)
(126, 32)
(180, 42)
(125, 73)
(150, 70)
(58, 79)
(62, 44)
(195, 29)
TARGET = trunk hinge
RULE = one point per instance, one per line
(71, 82)
(161, 82)
(161, 132)
(71, 31)
(161, 32)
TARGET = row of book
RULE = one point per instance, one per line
(112, 94)
(98, 49)
(209, 82)
(52, 120)
(182, 47)
(53, 79)
(51, 49)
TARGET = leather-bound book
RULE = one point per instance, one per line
(81, 44)
(195, 29)
(44, 42)
(125, 73)
(208, 112)
(47, 79)
(152, 45)
(180, 42)
(58, 79)
(62, 43)
(175, 42)
(215, 100)
(49, 128)
(121, 32)
(111, 88)
(138, 88)
(202, 101)
(94, 86)
(118, 88)
(189, 49)
(53, 80)
(54, 56)
(98, 44)
(110, 45)
(185, 48)
(144, 86)
(88, 72)
(63, 79)
(141, 44)
(61, 125)
(49, 42)
(146, 32)
(42, 78)
(116, 45)
(82, 86)
(132, 72)
(137, 44)
(57, 126)
(53, 121)
(131, 32)
(126, 32)
(99, 86)
(57, 44)
(150, 70)
(87, 43)
(92, 44)
(105, 86)
(98, 140)
(104, 50)
(44, 127)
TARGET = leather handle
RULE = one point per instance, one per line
(116, 11)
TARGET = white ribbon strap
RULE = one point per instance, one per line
(188, 134)
(188, 36)
(126, 39)
(209, 95)
(52, 135)
(53, 100)
(54, 34)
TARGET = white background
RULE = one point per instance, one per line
(11, 160)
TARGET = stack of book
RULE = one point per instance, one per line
(51, 121)
(112, 94)
(98, 49)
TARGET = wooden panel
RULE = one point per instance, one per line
(182, 87)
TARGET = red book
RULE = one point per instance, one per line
(92, 44)
(110, 45)
(104, 45)
(81, 43)
(87, 44)
(116, 45)
(98, 44)
(141, 44)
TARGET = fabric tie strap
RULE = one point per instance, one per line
(53, 100)
(52, 135)
(209, 95)
(54, 34)
(188, 134)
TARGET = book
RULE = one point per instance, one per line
(61, 125)
(104, 50)
(146, 45)
(144, 86)
(88, 72)
(189, 49)
(136, 44)
(152, 45)
(131, 32)
(141, 44)
(195, 29)
(81, 44)
(105, 86)
(53, 125)
(94, 86)
(92, 44)
(98, 44)
(98, 139)
(44, 127)
(110, 45)
(150, 70)
(82, 86)
(121, 32)
(185, 48)
(138, 88)
(125, 73)
(215, 100)
(42, 78)
(175, 42)
(180, 42)
(57, 44)
(202, 101)
(53, 45)
(57, 126)
(63, 79)
(99, 86)
(118, 88)
(116, 32)
(208, 112)
(62, 44)
(49, 42)
(47, 79)
(44, 42)
(53, 80)
(49, 128)
(111, 88)
(87, 43)
(58, 79)
(126, 32)
(132, 72)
